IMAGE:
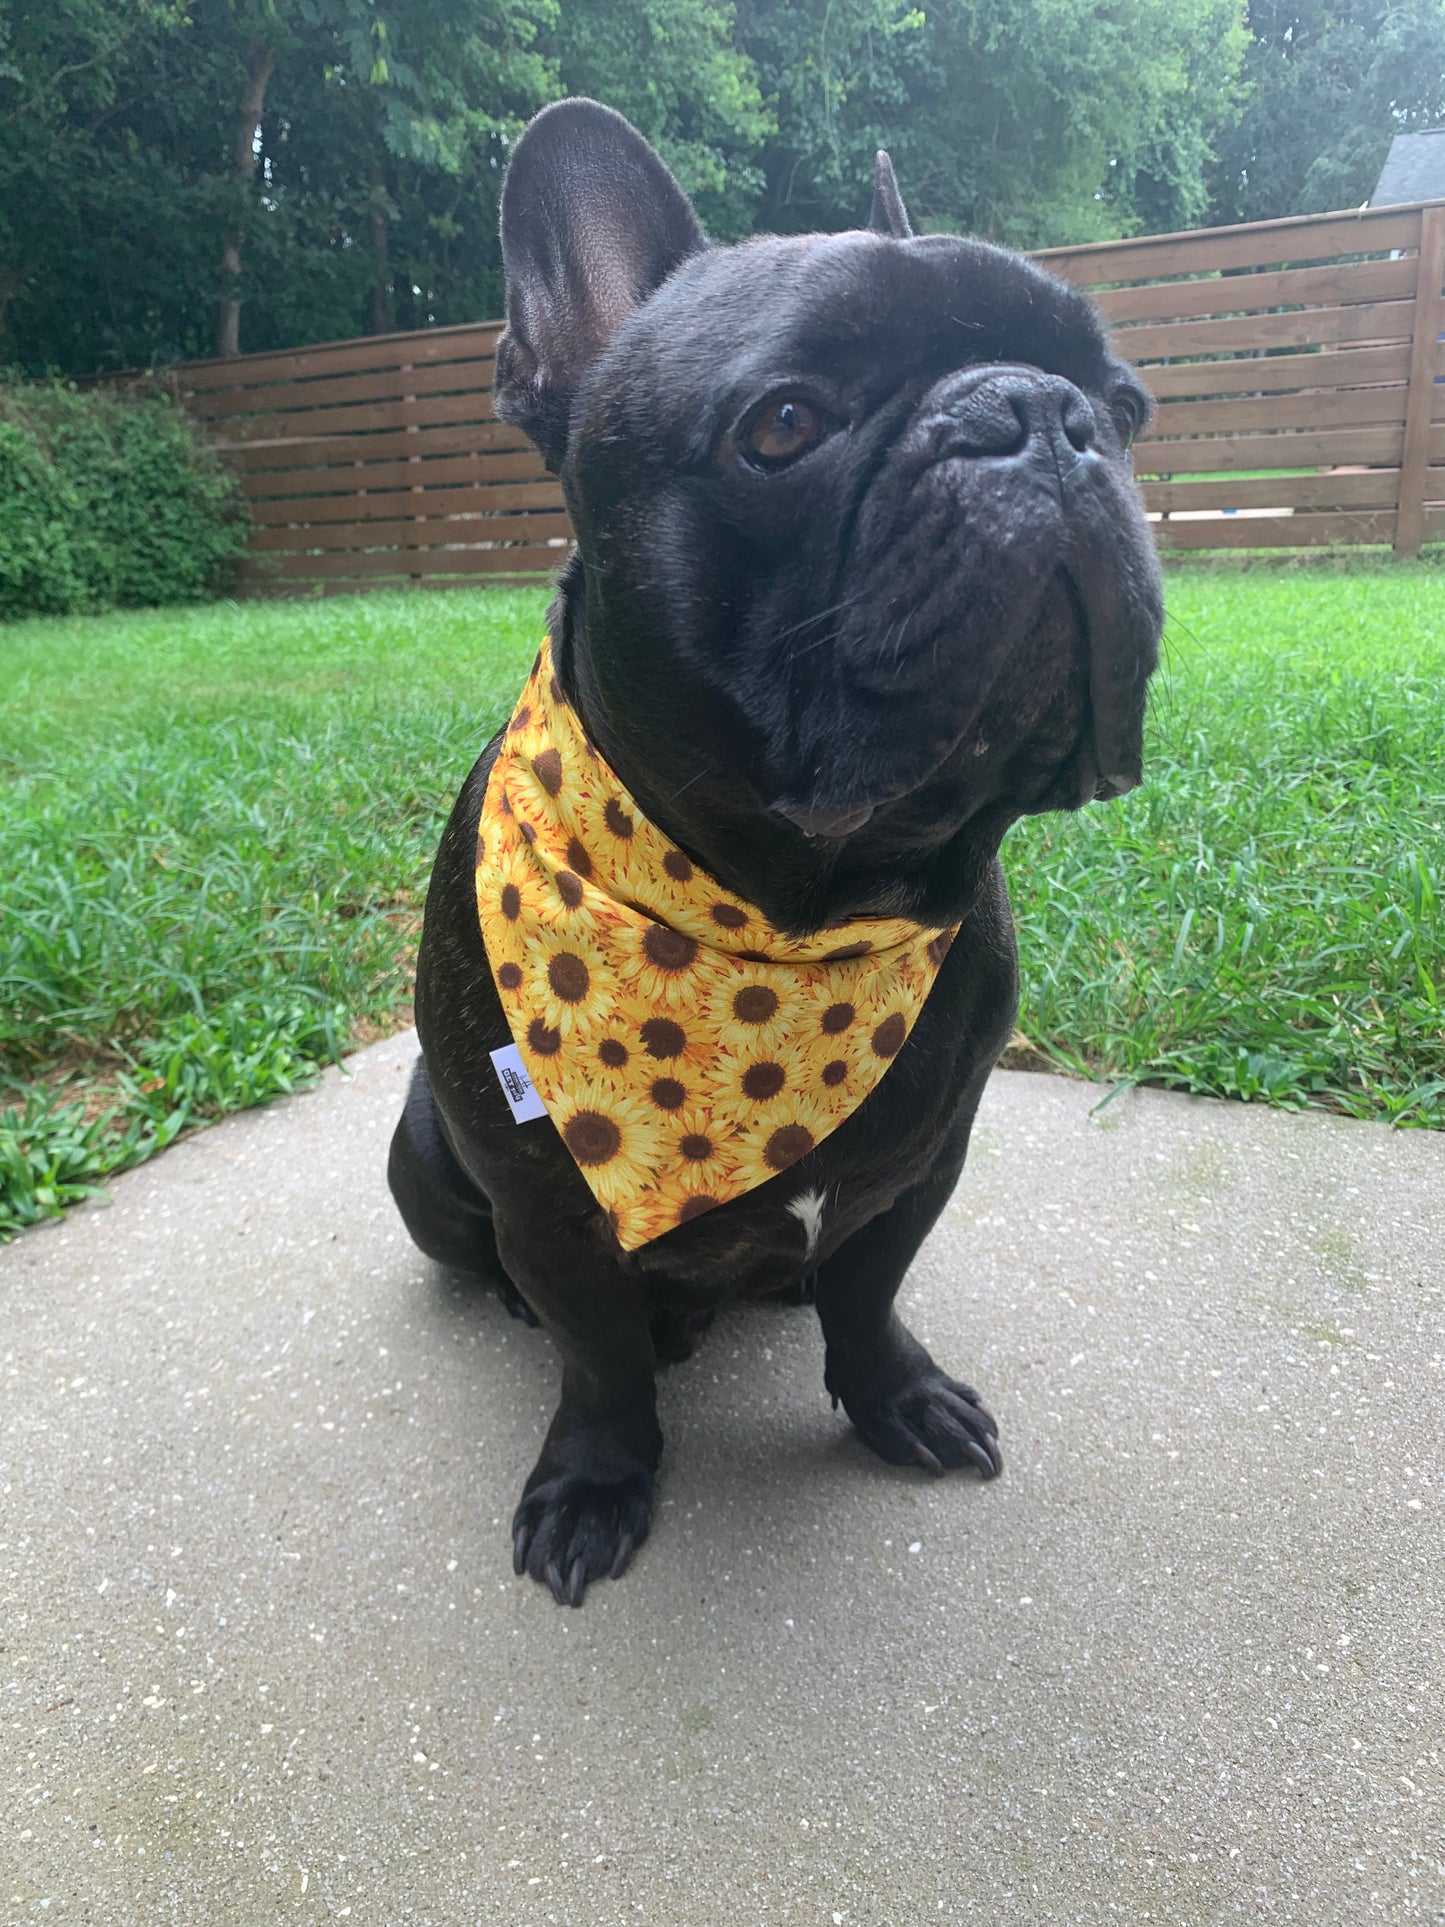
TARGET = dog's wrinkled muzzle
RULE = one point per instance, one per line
(1001, 613)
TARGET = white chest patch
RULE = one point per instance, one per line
(807, 1208)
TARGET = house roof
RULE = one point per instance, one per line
(1414, 169)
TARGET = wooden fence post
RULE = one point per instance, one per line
(1429, 321)
(413, 460)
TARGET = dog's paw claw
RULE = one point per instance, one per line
(569, 1531)
(931, 1420)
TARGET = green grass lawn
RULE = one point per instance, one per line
(216, 825)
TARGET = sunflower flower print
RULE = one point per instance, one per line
(686, 1051)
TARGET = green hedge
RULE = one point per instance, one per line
(108, 499)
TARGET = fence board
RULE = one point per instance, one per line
(365, 419)
(1232, 334)
(339, 357)
(1231, 415)
(361, 479)
(1267, 374)
(407, 532)
(319, 450)
(1378, 446)
(1368, 488)
(1338, 284)
(363, 510)
(293, 397)
(1157, 257)
(519, 558)
(1279, 532)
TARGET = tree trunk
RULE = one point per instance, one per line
(381, 311)
(260, 59)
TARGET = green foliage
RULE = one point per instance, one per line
(370, 202)
(117, 186)
(52, 1155)
(108, 500)
(675, 68)
(38, 573)
(1030, 121)
(1328, 85)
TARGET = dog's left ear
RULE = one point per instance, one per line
(592, 224)
(888, 215)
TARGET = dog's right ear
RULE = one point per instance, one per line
(592, 224)
(888, 215)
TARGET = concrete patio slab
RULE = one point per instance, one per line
(264, 1657)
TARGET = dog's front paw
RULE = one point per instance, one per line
(572, 1528)
(928, 1419)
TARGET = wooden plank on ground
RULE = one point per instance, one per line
(1346, 447)
(1333, 286)
(1249, 374)
(1316, 237)
(1372, 488)
(1331, 530)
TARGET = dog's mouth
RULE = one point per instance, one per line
(1078, 740)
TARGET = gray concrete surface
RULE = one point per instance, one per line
(264, 1657)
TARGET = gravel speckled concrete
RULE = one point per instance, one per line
(264, 1658)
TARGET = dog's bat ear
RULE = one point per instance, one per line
(592, 224)
(888, 215)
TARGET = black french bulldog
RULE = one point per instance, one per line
(861, 577)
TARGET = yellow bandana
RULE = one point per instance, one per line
(685, 1049)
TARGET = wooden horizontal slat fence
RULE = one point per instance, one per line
(1296, 369)
(1296, 366)
(379, 463)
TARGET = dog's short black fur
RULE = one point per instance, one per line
(834, 675)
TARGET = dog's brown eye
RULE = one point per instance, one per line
(783, 429)
(1128, 417)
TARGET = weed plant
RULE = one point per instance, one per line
(216, 827)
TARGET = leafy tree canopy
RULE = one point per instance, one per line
(177, 174)
(1326, 88)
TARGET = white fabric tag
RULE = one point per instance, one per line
(517, 1087)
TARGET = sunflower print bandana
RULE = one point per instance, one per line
(685, 1049)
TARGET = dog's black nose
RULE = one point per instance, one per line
(1004, 412)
